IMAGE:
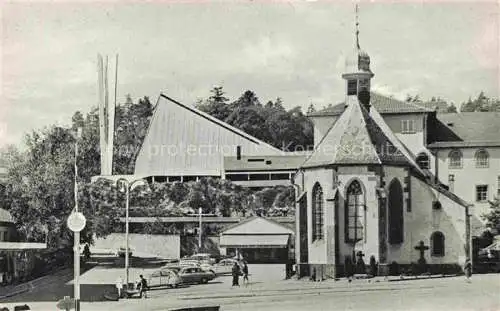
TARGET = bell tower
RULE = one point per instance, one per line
(357, 73)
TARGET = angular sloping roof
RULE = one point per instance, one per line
(182, 140)
(258, 225)
(467, 129)
(360, 137)
(384, 105)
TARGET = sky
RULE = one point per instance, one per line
(294, 50)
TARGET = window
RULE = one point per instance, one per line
(352, 87)
(423, 161)
(455, 159)
(395, 211)
(481, 193)
(451, 178)
(437, 244)
(482, 158)
(408, 126)
(317, 212)
(355, 211)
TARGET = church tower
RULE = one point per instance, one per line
(357, 73)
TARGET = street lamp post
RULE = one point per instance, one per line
(76, 242)
(128, 185)
(200, 215)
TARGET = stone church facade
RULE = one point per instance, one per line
(362, 194)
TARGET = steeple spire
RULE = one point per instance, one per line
(357, 27)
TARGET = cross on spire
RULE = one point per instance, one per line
(357, 26)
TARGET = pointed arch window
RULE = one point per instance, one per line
(396, 213)
(437, 244)
(482, 158)
(355, 213)
(455, 159)
(423, 161)
(317, 213)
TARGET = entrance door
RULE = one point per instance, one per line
(304, 247)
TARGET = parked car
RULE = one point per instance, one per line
(224, 266)
(202, 258)
(120, 252)
(190, 275)
(164, 277)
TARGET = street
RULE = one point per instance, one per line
(444, 293)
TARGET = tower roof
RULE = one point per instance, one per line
(360, 136)
(357, 60)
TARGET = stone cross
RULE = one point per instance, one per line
(360, 255)
(421, 248)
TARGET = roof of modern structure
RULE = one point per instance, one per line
(467, 129)
(287, 161)
(383, 104)
(5, 216)
(258, 225)
(195, 219)
(182, 140)
(360, 136)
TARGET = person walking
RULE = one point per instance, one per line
(245, 273)
(235, 272)
(119, 286)
(143, 286)
(468, 270)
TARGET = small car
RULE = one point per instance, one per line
(190, 275)
(224, 266)
(120, 252)
(164, 277)
(203, 258)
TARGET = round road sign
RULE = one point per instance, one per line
(76, 221)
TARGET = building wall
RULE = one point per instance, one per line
(423, 220)
(467, 177)
(415, 142)
(165, 246)
(369, 181)
(320, 249)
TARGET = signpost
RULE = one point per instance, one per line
(76, 222)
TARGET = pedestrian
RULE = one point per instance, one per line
(468, 270)
(119, 286)
(245, 273)
(86, 252)
(143, 286)
(235, 272)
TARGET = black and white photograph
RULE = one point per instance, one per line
(248, 155)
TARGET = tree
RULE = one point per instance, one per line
(452, 108)
(493, 217)
(310, 109)
(482, 104)
(216, 105)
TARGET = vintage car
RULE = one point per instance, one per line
(164, 277)
(224, 266)
(194, 275)
(120, 252)
(202, 258)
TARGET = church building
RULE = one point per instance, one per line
(362, 193)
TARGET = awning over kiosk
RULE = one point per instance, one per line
(20, 246)
(255, 241)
